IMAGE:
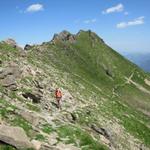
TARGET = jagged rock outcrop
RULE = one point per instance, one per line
(9, 75)
(64, 36)
(11, 42)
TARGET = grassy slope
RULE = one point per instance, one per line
(90, 59)
(85, 63)
(87, 60)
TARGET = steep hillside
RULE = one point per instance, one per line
(106, 98)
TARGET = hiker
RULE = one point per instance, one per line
(58, 95)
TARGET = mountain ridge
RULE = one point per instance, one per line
(106, 97)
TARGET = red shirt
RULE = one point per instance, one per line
(58, 94)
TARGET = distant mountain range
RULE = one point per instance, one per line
(142, 60)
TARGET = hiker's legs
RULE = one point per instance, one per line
(58, 102)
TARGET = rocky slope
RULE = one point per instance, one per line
(106, 98)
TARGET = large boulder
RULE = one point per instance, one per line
(14, 136)
(9, 75)
(9, 81)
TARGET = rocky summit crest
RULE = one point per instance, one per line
(11, 42)
(64, 36)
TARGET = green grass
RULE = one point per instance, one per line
(47, 128)
(7, 113)
(14, 95)
(134, 97)
(21, 122)
(33, 107)
(26, 80)
(86, 116)
(6, 49)
(6, 147)
(40, 137)
(6, 108)
(79, 137)
(1, 88)
(134, 121)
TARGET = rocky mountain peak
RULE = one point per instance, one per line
(11, 42)
(64, 36)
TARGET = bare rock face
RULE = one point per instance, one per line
(36, 144)
(64, 36)
(9, 75)
(31, 117)
(11, 42)
(14, 136)
(34, 96)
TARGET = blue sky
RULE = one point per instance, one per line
(123, 24)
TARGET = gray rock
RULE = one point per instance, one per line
(52, 140)
(38, 84)
(23, 53)
(27, 47)
(9, 75)
(31, 117)
(15, 70)
(62, 146)
(48, 147)
(36, 144)
(11, 42)
(14, 136)
(101, 131)
(64, 36)
(34, 96)
(8, 81)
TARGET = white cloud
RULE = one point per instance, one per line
(137, 21)
(90, 21)
(117, 8)
(35, 8)
(126, 13)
